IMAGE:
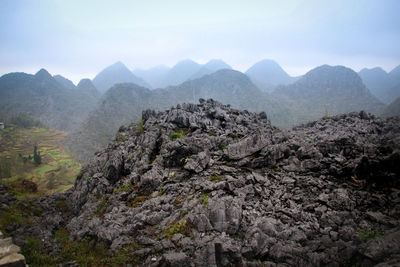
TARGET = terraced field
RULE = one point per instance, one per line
(58, 169)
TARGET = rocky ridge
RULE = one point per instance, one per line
(205, 184)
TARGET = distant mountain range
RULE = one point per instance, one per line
(46, 98)
(324, 91)
(393, 109)
(385, 86)
(267, 75)
(162, 76)
(93, 118)
(116, 73)
(124, 103)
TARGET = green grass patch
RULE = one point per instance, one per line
(367, 235)
(215, 178)
(181, 227)
(177, 135)
(204, 199)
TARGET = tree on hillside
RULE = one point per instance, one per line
(36, 156)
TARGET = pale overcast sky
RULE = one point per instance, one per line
(77, 39)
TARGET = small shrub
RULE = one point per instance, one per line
(204, 199)
(177, 135)
(160, 192)
(215, 178)
(124, 188)
(62, 205)
(101, 208)
(184, 161)
(139, 200)
(121, 137)
(277, 169)
(182, 227)
(366, 235)
(223, 146)
(171, 175)
(139, 127)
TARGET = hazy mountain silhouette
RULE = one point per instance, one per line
(181, 72)
(124, 103)
(43, 97)
(267, 74)
(153, 76)
(393, 109)
(327, 90)
(210, 67)
(64, 82)
(116, 73)
(87, 86)
(385, 86)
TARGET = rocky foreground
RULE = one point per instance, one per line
(207, 185)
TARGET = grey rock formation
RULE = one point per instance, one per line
(9, 253)
(230, 189)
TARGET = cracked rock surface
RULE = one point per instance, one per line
(207, 185)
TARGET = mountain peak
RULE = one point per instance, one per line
(87, 85)
(43, 74)
(216, 64)
(267, 74)
(116, 73)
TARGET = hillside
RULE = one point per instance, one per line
(43, 97)
(393, 109)
(267, 75)
(205, 184)
(57, 171)
(153, 76)
(325, 91)
(124, 104)
(116, 73)
(385, 86)
(210, 67)
(180, 73)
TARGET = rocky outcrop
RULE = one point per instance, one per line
(210, 185)
(9, 253)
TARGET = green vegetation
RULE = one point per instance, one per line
(277, 169)
(36, 156)
(50, 166)
(139, 127)
(124, 188)
(24, 120)
(223, 146)
(101, 208)
(84, 252)
(160, 192)
(139, 200)
(121, 137)
(215, 178)
(177, 135)
(181, 227)
(18, 215)
(204, 199)
(366, 235)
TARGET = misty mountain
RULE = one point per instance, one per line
(385, 86)
(87, 86)
(392, 110)
(327, 90)
(267, 75)
(121, 104)
(180, 73)
(43, 97)
(64, 82)
(124, 103)
(210, 67)
(116, 73)
(153, 76)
